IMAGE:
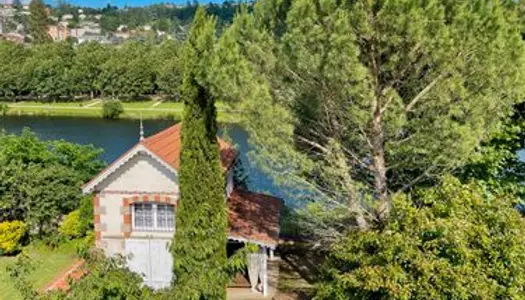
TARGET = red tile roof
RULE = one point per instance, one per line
(254, 217)
(167, 144)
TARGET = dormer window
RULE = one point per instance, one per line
(153, 217)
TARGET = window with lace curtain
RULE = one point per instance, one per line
(153, 217)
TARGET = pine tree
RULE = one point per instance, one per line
(38, 22)
(199, 247)
(358, 100)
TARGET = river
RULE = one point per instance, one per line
(117, 136)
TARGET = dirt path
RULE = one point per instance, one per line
(157, 103)
(93, 103)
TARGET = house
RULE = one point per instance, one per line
(135, 204)
(87, 37)
(58, 32)
(13, 37)
(67, 17)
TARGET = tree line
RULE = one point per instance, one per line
(52, 71)
(162, 17)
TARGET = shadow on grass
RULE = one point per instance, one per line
(299, 267)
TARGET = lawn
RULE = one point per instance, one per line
(138, 105)
(50, 104)
(48, 263)
(132, 110)
(170, 105)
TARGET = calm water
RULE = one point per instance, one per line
(115, 137)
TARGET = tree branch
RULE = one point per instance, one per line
(421, 94)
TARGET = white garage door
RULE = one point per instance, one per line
(151, 259)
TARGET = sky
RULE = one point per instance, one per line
(122, 3)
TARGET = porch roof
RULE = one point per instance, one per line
(254, 218)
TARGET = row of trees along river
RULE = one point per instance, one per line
(50, 71)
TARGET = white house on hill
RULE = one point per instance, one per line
(135, 204)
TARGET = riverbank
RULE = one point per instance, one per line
(132, 110)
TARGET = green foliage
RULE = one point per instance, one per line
(12, 57)
(169, 79)
(454, 241)
(365, 98)
(40, 180)
(108, 278)
(38, 22)
(45, 69)
(112, 109)
(166, 17)
(4, 109)
(496, 163)
(169, 68)
(199, 246)
(79, 222)
(86, 213)
(87, 67)
(238, 262)
(57, 70)
(18, 272)
(11, 234)
(71, 225)
(85, 245)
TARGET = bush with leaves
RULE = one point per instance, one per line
(84, 245)
(4, 109)
(71, 225)
(451, 242)
(11, 233)
(18, 272)
(78, 222)
(112, 109)
(40, 180)
(86, 213)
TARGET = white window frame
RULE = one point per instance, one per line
(154, 210)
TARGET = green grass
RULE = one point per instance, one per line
(61, 104)
(170, 105)
(48, 263)
(140, 104)
(132, 110)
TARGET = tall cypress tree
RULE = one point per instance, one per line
(38, 22)
(199, 247)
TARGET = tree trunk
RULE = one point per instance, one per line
(378, 160)
(92, 94)
(355, 208)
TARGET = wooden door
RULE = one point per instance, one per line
(161, 263)
(151, 259)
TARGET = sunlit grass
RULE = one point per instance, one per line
(93, 109)
(48, 263)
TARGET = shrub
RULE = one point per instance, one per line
(108, 278)
(71, 226)
(4, 109)
(11, 234)
(112, 109)
(86, 214)
(84, 245)
(451, 242)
